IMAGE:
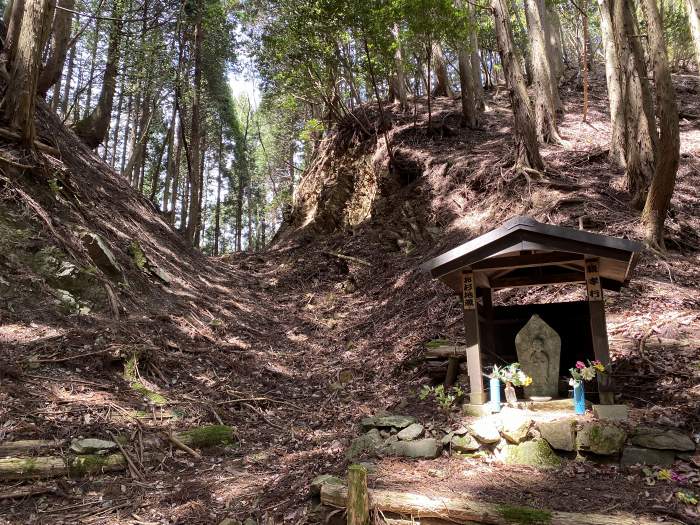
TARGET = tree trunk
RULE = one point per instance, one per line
(693, 8)
(641, 131)
(217, 210)
(93, 128)
(661, 190)
(69, 81)
(115, 138)
(613, 78)
(137, 156)
(169, 166)
(13, 20)
(20, 95)
(195, 136)
(555, 50)
(545, 83)
(466, 78)
(475, 61)
(93, 63)
(60, 37)
(176, 180)
(584, 57)
(442, 79)
(399, 76)
(527, 149)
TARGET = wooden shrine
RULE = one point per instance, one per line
(524, 252)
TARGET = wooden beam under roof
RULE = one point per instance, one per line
(527, 260)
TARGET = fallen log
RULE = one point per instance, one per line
(464, 510)
(53, 466)
(29, 446)
(446, 351)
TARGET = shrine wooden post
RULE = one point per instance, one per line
(471, 333)
(599, 332)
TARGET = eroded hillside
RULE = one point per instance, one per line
(292, 347)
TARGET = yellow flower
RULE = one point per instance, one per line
(528, 381)
(664, 474)
(600, 367)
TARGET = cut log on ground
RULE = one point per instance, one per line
(464, 510)
(446, 351)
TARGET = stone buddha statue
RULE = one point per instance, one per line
(539, 348)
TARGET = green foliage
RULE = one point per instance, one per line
(446, 399)
(524, 515)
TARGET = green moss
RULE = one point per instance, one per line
(536, 453)
(28, 465)
(436, 343)
(524, 515)
(208, 436)
(131, 376)
(138, 255)
(92, 463)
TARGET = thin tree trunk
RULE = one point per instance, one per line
(546, 87)
(399, 76)
(584, 57)
(93, 61)
(93, 128)
(69, 81)
(658, 199)
(20, 96)
(176, 180)
(217, 210)
(527, 149)
(195, 137)
(130, 131)
(15, 14)
(555, 51)
(120, 106)
(60, 37)
(169, 166)
(475, 62)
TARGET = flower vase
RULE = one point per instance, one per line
(579, 399)
(511, 398)
(495, 389)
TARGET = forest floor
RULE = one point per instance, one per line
(292, 347)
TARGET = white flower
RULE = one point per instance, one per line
(588, 373)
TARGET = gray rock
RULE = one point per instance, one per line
(611, 412)
(663, 439)
(101, 254)
(91, 445)
(536, 453)
(464, 443)
(461, 430)
(321, 480)
(600, 438)
(560, 434)
(421, 448)
(485, 431)
(387, 422)
(411, 432)
(515, 426)
(447, 438)
(646, 456)
(367, 443)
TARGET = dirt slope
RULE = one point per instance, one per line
(294, 346)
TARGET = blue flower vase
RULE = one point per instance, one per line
(495, 390)
(579, 399)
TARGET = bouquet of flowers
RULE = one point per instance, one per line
(583, 372)
(512, 374)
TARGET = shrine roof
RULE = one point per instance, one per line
(525, 252)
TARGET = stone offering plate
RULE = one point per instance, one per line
(539, 398)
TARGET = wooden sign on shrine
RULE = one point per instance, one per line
(524, 252)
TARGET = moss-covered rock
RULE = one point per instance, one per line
(601, 438)
(208, 436)
(83, 465)
(536, 453)
(321, 480)
(368, 443)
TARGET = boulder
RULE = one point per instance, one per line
(662, 439)
(536, 453)
(429, 448)
(411, 432)
(601, 438)
(465, 443)
(485, 431)
(646, 456)
(101, 255)
(560, 434)
(515, 426)
(365, 444)
(92, 446)
(387, 421)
